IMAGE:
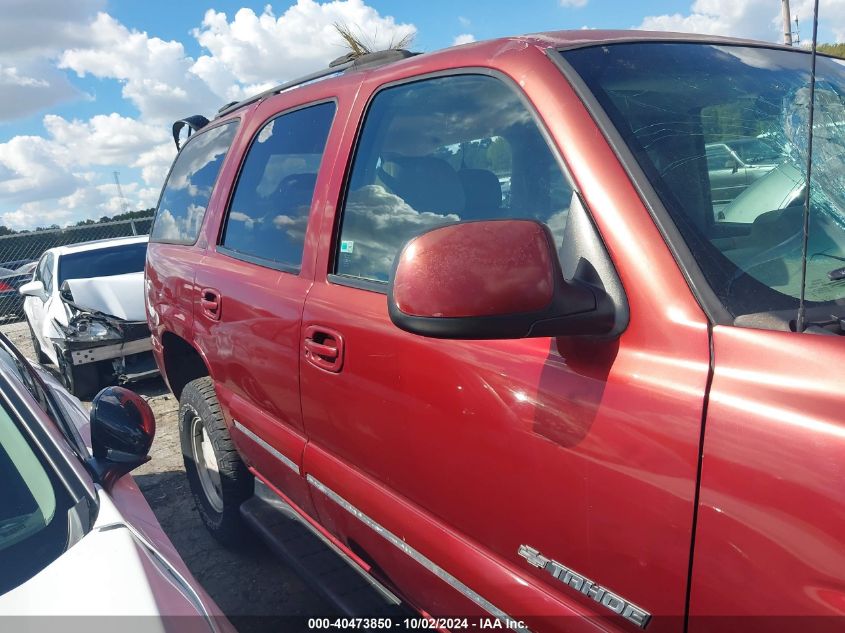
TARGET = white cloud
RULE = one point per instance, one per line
(31, 28)
(154, 164)
(831, 16)
(756, 19)
(463, 38)
(32, 32)
(65, 175)
(576, 4)
(28, 87)
(265, 49)
(104, 139)
(156, 74)
(34, 168)
(464, 22)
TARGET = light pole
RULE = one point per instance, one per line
(787, 23)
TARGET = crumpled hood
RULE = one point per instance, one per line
(120, 296)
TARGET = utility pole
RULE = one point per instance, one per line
(787, 23)
(123, 202)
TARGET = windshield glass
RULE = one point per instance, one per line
(103, 262)
(33, 508)
(721, 132)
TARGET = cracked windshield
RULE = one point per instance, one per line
(721, 132)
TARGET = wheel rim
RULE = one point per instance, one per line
(202, 453)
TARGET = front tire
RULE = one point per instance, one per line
(81, 380)
(219, 480)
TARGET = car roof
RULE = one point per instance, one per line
(559, 40)
(590, 37)
(94, 245)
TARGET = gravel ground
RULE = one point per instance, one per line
(255, 590)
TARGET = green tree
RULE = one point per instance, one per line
(837, 50)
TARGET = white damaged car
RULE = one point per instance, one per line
(86, 315)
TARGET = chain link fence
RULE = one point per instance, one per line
(19, 255)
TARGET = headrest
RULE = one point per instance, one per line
(482, 191)
(425, 183)
(296, 190)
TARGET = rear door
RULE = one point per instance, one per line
(252, 285)
(457, 468)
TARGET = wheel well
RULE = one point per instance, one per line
(182, 363)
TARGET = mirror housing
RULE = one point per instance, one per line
(122, 431)
(492, 279)
(33, 289)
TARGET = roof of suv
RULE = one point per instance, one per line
(561, 40)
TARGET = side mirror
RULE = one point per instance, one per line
(496, 279)
(33, 289)
(122, 431)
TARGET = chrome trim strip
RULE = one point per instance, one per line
(266, 494)
(400, 544)
(285, 460)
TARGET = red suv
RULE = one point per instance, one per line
(472, 316)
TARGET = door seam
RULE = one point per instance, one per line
(697, 494)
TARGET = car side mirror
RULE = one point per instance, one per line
(33, 289)
(122, 431)
(496, 279)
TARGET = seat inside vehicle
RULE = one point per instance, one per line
(482, 192)
(425, 183)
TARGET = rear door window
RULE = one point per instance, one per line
(444, 150)
(183, 202)
(271, 204)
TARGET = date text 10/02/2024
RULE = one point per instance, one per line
(417, 623)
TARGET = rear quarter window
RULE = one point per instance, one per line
(184, 199)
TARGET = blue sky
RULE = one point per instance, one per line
(91, 86)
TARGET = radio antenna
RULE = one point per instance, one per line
(802, 310)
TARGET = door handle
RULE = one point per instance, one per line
(323, 348)
(320, 349)
(210, 302)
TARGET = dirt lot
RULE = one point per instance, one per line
(252, 588)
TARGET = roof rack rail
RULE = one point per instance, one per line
(336, 67)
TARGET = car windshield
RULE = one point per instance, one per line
(33, 508)
(721, 133)
(103, 262)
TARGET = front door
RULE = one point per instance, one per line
(461, 468)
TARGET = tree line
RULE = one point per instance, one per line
(129, 215)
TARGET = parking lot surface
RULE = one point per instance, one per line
(250, 586)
